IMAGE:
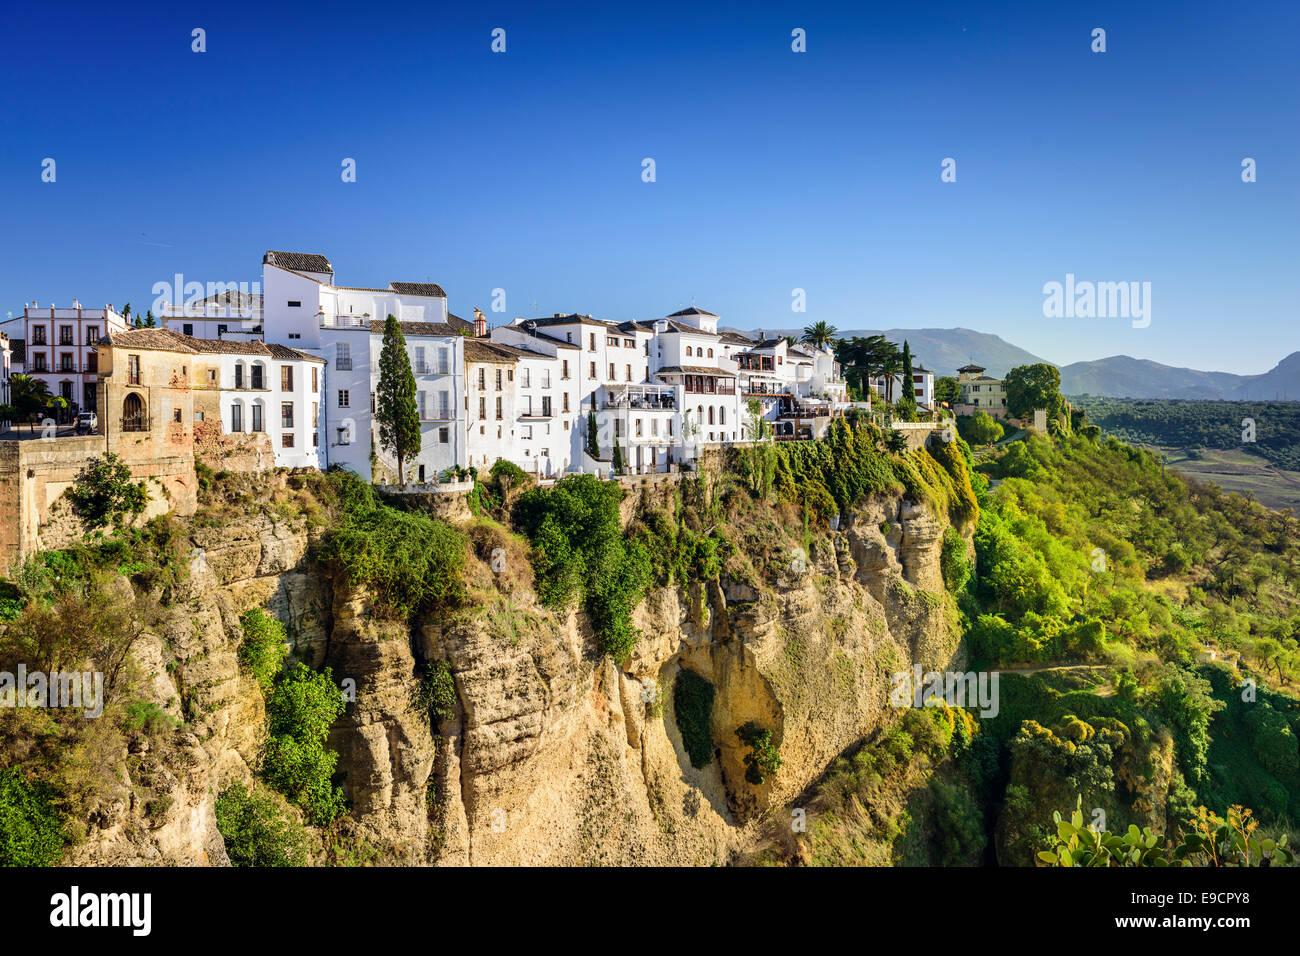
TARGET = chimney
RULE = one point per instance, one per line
(480, 323)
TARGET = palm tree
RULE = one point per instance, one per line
(28, 396)
(819, 334)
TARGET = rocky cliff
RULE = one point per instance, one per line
(553, 754)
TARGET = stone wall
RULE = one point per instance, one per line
(35, 473)
(242, 452)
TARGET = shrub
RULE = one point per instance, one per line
(410, 562)
(263, 648)
(31, 830)
(437, 692)
(954, 562)
(103, 493)
(693, 711)
(762, 761)
(303, 706)
(259, 831)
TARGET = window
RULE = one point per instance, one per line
(593, 369)
(611, 371)
(132, 369)
(499, 376)
(444, 405)
(546, 406)
(710, 353)
(286, 414)
(638, 428)
(38, 335)
(546, 378)
(498, 408)
(198, 416)
(92, 334)
(176, 415)
(315, 413)
(92, 365)
(629, 373)
(286, 378)
(419, 360)
(315, 379)
(38, 363)
(258, 425)
(526, 433)
(565, 405)
(444, 361)
(419, 404)
(611, 342)
(444, 435)
(286, 440)
(295, 335)
(295, 303)
(236, 417)
(688, 351)
(134, 417)
(239, 375)
(257, 370)
(629, 343)
(618, 428)
(482, 379)
(654, 428)
(722, 416)
(187, 329)
(482, 408)
(344, 398)
(221, 330)
(65, 362)
(564, 369)
(315, 439)
(592, 342)
(343, 356)
(526, 378)
(212, 376)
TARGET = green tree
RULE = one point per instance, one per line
(947, 389)
(980, 429)
(30, 397)
(762, 761)
(103, 493)
(301, 709)
(819, 334)
(399, 420)
(264, 647)
(593, 435)
(906, 407)
(1034, 386)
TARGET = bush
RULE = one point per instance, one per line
(410, 562)
(31, 829)
(437, 692)
(762, 761)
(258, 831)
(954, 562)
(693, 711)
(264, 646)
(103, 493)
(303, 706)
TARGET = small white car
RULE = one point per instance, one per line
(87, 422)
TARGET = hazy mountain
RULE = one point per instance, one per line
(1121, 376)
(942, 351)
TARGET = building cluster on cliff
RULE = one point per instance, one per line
(288, 378)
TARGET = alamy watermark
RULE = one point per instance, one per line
(181, 297)
(1098, 300)
(55, 689)
(974, 690)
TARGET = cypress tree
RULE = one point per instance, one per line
(395, 411)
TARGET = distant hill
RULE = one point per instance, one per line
(1121, 376)
(942, 351)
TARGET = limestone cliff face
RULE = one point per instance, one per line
(554, 755)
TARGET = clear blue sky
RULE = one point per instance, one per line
(775, 170)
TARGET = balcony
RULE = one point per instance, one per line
(641, 398)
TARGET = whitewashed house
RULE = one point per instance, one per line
(58, 348)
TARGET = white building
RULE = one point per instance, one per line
(230, 314)
(58, 347)
(303, 308)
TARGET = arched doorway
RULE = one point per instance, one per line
(134, 416)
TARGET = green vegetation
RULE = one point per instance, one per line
(580, 554)
(1203, 424)
(301, 708)
(103, 494)
(31, 829)
(693, 711)
(437, 692)
(395, 410)
(762, 761)
(258, 830)
(1031, 387)
(980, 428)
(905, 407)
(264, 646)
(410, 562)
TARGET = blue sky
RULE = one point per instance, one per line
(775, 170)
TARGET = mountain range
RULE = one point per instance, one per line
(943, 351)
